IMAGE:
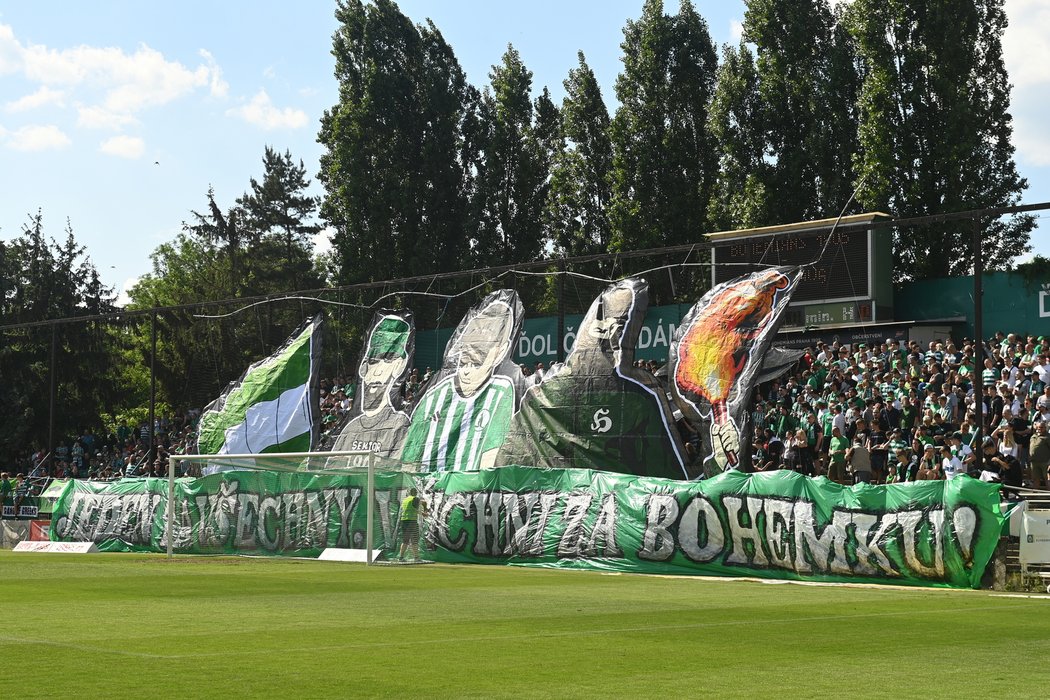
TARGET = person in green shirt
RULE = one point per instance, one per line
(784, 424)
(412, 507)
(837, 454)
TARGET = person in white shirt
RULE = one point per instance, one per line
(950, 464)
(1043, 368)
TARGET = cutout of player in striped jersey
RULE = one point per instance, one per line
(381, 422)
(461, 419)
(598, 411)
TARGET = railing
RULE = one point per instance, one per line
(1032, 499)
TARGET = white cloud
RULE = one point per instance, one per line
(736, 30)
(130, 81)
(261, 112)
(1031, 140)
(37, 138)
(10, 51)
(269, 72)
(1026, 50)
(218, 86)
(96, 117)
(130, 147)
(1026, 43)
(42, 97)
(322, 240)
(124, 298)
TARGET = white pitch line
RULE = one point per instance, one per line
(84, 647)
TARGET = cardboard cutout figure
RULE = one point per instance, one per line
(716, 354)
(598, 411)
(463, 414)
(380, 422)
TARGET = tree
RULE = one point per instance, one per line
(41, 279)
(935, 129)
(396, 157)
(664, 164)
(740, 198)
(807, 89)
(258, 247)
(279, 207)
(442, 188)
(514, 167)
(580, 184)
(227, 228)
(784, 117)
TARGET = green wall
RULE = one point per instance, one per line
(1011, 304)
(538, 341)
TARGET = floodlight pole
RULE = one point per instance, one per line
(169, 527)
(561, 312)
(51, 411)
(152, 383)
(369, 496)
(978, 333)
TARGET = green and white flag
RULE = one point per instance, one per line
(273, 407)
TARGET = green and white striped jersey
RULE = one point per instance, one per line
(451, 432)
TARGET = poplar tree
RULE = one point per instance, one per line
(740, 198)
(580, 179)
(394, 168)
(664, 163)
(513, 167)
(935, 129)
(785, 117)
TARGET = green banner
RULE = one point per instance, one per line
(778, 525)
(236, 512)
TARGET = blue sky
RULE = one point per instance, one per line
(118, 115)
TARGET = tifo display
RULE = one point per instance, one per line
(594, 463)
(780, 525)
(596, 410)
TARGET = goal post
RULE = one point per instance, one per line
(335, 462)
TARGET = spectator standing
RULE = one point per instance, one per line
(837, 456)
(1039, 455)
(859, 459)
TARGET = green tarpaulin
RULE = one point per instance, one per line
(778, 525)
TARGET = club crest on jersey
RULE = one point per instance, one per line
(601, 422)
(483, 418)
(435, 417)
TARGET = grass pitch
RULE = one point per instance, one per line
(121, 625)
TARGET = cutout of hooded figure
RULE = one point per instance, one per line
(380, 421)
(462, 417)
(598, 411)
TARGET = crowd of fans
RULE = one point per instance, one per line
(897, 412)
(887, 413)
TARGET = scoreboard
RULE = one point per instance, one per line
(849, 283)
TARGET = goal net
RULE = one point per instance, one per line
(380, 484)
